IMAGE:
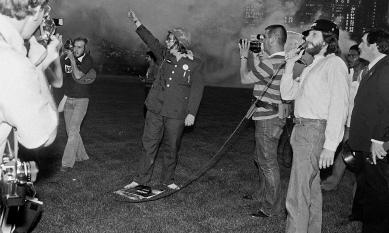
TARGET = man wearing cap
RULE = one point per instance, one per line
(321, 104)
(369, 130)
(172, 102)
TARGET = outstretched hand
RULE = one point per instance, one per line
(132, 16)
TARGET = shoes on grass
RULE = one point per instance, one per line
(173, 186)
(260, 214)
(248, 197)
(131, 185)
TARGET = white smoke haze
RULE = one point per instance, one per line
(216, 26)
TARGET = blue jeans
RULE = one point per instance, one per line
(304, 197)
(74, 112)
(267, 135)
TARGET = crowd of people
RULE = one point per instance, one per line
(332, 103)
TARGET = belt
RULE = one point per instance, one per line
(300, 120)
(261, 104)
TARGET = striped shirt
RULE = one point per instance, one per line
(261, 70)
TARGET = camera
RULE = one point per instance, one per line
(15, 176)
(255, 45)
(20, 207)
(68, 45)
(58, 21)
(48, 28)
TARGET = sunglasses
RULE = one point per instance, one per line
(170, 38)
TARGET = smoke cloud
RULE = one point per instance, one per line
(216, 26)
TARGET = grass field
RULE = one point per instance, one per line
(82, 200)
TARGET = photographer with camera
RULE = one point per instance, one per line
(25, 101)
(270, 115)
(26, 104)
(78, 75)
(321, 106)
(172, 102)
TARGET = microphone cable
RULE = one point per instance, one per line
(218, 155)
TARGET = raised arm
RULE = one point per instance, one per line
(289, 86)
(148, 38)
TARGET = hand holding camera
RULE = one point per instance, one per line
(70, 55)
(254, 46)
(244, 47)
(52, 49)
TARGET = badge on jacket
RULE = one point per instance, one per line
(185, 67)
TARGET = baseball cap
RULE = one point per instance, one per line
(323, 25)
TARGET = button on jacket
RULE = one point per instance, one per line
(178, 88)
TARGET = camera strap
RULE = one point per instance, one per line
(253, 107)
(12, 139)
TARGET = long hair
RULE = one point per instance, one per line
(332, 41)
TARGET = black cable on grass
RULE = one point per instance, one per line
(218, 155)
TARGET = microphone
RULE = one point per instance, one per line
(303, 60)
(302, 47)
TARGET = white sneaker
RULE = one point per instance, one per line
(132, 185)
(173, 186)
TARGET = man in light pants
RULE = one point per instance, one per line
(321, 104)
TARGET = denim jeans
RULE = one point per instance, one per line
(156, 128)
(267, 135)
(304, 197)
(74, 112)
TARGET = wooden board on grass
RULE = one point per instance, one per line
(139, 193)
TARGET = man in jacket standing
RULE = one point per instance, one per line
(370, 129)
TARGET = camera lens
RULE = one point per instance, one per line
(255, 46)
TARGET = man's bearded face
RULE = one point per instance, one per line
(315, 42)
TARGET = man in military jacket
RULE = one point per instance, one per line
(172, 102)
